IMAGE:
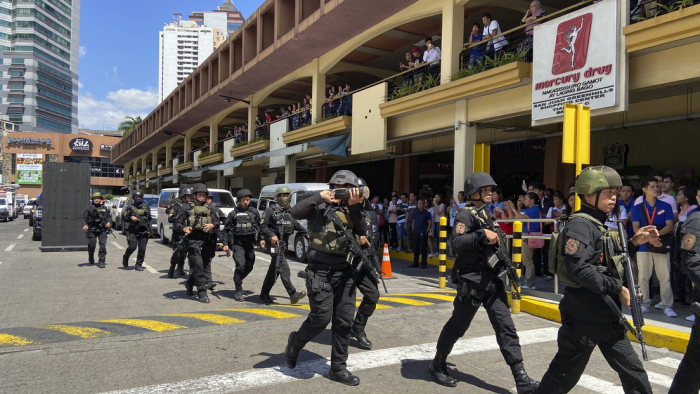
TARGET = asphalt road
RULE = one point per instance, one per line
(70, 327)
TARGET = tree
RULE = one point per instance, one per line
(128, 125)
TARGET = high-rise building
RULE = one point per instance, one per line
(39, 41)
(234, 18)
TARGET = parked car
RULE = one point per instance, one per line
(5, 209)
(36, 220)
(223, 199)
(27, 210)
(116, 212)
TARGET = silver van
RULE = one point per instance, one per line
(222, 200)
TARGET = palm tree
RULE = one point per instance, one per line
(128, 125)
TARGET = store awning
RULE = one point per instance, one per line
(334, 145)
(172, 178)
(228, 164)
(196, 173)
(290, 150)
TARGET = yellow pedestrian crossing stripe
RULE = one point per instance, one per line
(13, 340)
(83, 332)
(444, 291)
(264, 312)
(210, 317)
(407, 301)
(378, 306)
(433, 296)
(302, 306)
(152, 325)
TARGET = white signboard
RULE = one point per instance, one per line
(578, 59)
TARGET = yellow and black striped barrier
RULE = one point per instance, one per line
(443, 251)
(517, 260)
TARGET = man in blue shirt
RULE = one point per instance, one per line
(654, 257)
(422, 221)
(476, 54)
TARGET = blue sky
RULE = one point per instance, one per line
(119, 55)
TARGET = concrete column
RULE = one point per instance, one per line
(220, 180)
(213, 134)
(252, 112)
(318, 91)
(452, 39)
(154, 161)
(465, 138)
(168, 154)
(405, 169)
(290, 169)
(186, 149)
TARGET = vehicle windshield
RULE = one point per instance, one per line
(222, 200)
(151, 201)
(3, 201)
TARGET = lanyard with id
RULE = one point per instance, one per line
(653, 215)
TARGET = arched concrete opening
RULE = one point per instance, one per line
(161, 155)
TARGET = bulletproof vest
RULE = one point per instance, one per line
(174, 204)
(610, 262)
(140, 213)
(327, 239)
(245, 223)
(199, 217)
(689, 248)
(97, 214)
(284, 221)
(484, 221)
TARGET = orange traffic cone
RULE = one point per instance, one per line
(386, 263)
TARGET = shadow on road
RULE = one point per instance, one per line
(418, 370)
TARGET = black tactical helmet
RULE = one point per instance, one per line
(137, 193)
(210, 195)
(200, 188)
(344, 177)
(183, 187)
(477, 181)
(361, 182)
(244, 193)
(185, 191)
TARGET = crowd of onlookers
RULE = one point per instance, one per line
(409, 224)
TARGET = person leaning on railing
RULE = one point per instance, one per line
(532, 14)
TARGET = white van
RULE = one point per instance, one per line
(222, 200)
(6, 212)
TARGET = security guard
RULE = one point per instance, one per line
(367, 285)
(201, 225)
(138, 216)
(97, 223)
(242, 228)
(478, 285)
(587, 321)
(277, 223)
(687, 379)
(329, 278)
(179, 206)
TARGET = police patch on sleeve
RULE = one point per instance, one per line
(460, 228)
(688, 242)
(572, 247)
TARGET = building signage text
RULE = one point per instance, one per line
(29, 141)
(80, 145)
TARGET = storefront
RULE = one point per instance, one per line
(24, 154)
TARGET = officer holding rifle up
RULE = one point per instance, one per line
(592, 271)
(97, 225)
(138, 216)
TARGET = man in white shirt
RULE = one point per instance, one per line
(667, 198)
(492, 29)
(432, 53)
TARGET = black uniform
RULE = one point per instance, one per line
(687, 379)
(177, 207)
(368, 286)
(329, 281)
(95, 217)
(242, 230)
(201, 245)
(137, 233)
(478, 285)
(587, 321)
(279, 223)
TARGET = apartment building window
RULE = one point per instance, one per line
(16, 73)
(53, 125)
(17, 61)
(15, 118)
(15, 86)
(15, 99)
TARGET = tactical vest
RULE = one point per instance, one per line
(327, 239)
(485, 223)
(199, 217)
(97, 214)
(284, 221)
(610, 264)
(140, 213)
(245, 224)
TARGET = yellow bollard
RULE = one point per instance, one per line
(517, 259)
(443, 251)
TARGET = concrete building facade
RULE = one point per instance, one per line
(40, 48)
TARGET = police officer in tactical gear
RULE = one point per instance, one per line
(367, 285)
(329, 280)
(201, 224)
(587, 321)
(242, 230)
(179, 206)
(138, 216)
(277, 223)
(97, 223)
(221, 236)
(687, 379)
(474, 241)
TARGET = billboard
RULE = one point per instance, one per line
(29, 168)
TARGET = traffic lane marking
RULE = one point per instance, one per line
(117, 245)
(26, 229)
(258, 378)
(152, 325)
(20, 236)
(433, 296)
(82, 332)
(406, 301)
(147, 267)
(667, 362)
(9, 248)
(264, 312)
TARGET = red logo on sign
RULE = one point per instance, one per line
(571, 48)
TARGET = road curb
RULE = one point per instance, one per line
(655, 336)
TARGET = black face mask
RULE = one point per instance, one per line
(138, 201)
(283, 202)
(97, 204)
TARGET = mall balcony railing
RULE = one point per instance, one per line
(648, 9)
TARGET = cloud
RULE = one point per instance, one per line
(80, 85)
(94, 113)
(82, 51)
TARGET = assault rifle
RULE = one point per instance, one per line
(108, 230)
(182, 243)
(368, 255)
(339, 194)
(635, 302)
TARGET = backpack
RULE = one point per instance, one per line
(556, 257)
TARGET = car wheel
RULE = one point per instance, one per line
(12, 219)
(300, 249)
(35, 237)
(163, 239)
(31, 222)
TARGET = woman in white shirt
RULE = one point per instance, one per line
(558, 209)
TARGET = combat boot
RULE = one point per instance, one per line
(291, 353)
(101, 264)
(138, 267)
(343, 376)
(171, 271)
(523, 383)
(294, 298)
(189, 289)
(203, 298)
(125, 261)
(438, 368)
(181, 269)
(357, 332)
(238, 295)
(266, 299)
